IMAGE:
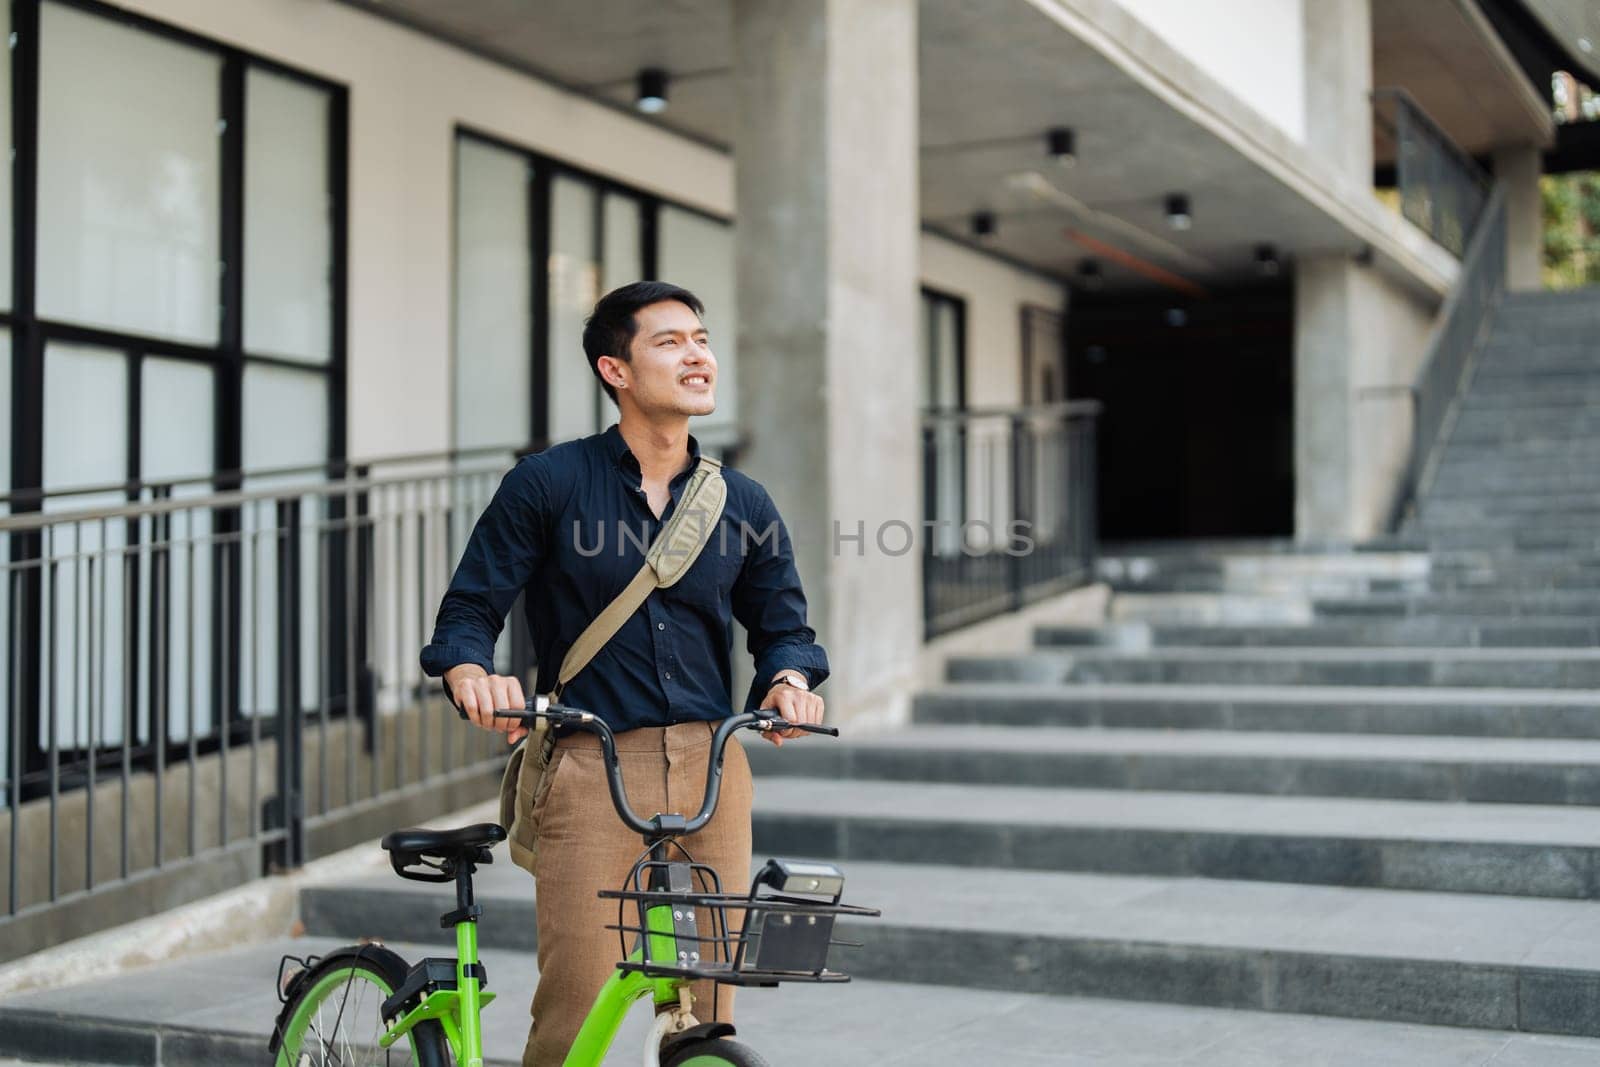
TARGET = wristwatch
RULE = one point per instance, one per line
(792, 679)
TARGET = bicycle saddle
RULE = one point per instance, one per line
(444, 844)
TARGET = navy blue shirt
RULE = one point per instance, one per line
(569, 526)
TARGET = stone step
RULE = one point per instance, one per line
(1261, 574)
(1523, 668)
(1512, 511)
(1187, 985)
(1461, 960)
(1548, 604)
(1484, 770)
(1458, 632)
(1510, 535)
(1481, 712)
(1531, 850)
(1556, 389)
(1580, 428)
(1541, 477)
(1208, 607)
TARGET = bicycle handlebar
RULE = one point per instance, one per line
(541, 707)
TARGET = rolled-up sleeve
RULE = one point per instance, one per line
(771, 606)
(506, 546)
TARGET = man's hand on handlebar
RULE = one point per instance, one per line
(794, 705)
(478, 693)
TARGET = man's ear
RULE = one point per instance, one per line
(610, 370)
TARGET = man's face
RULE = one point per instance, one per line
(672, 371)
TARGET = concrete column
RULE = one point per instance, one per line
(1518, 168)
(1338, 49)
(1324, 328)
(826, 163)
(1359, 340)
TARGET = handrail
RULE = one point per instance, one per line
(1402, 94)
(335, 468)
(1443, 190)
(1457, 334)
(727, 438)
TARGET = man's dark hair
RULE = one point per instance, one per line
(609, 330)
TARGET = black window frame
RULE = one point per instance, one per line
(228, 358)
(545, 169)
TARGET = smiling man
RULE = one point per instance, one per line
(567, 527)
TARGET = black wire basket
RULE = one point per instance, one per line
(760, 938)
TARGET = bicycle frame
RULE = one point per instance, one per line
(458, 1010)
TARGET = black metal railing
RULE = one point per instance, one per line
(204, 685)
(1442, 189)
(1009, 508)
(1459, 331)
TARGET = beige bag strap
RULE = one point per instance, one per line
(671, 554)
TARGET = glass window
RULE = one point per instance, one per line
(85, 417)
(85, 444)
(574, 285)
(177, 399)
(129, 175)
(288, 230)
(9, 581)
(942, 349)
(5, 172)
(494, 297)
(175, 441)
(697, 253)
(5, 416)
(285, 418)
(623, 261)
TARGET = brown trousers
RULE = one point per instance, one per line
(584, 848)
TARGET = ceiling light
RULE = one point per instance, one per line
(1062, 146)
(1178, 216)
(1267, 261)
(1089, 274)
(652, 98)
(983, 224)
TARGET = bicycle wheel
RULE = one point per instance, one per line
(717, 1052)
(334, 1017)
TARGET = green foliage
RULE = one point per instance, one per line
(1571, 229)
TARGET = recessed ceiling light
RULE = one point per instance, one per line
(1178, 216)
(1062, 145)
(652, 96)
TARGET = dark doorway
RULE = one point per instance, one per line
(1196, 439)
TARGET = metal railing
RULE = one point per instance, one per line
(1009, 508)
(203, 686)
(1442, 189)
(1462, 327)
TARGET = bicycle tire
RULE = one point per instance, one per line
(334, 1017)
(716, 1052)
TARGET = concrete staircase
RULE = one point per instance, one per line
(1339, 808)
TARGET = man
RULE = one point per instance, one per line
(566, 526)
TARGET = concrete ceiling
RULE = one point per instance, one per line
(1447, 56)
(1576, 25)
(994, 76)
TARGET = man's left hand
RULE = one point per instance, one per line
(794, 705)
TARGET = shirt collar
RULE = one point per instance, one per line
(616, 447)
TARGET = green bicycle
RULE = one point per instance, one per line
(362, 1004)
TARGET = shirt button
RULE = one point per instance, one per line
(667, 676)
(661, 626)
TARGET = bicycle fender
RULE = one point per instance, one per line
(335, 957)
(703, 1032)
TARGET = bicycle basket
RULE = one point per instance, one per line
(685, 926)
